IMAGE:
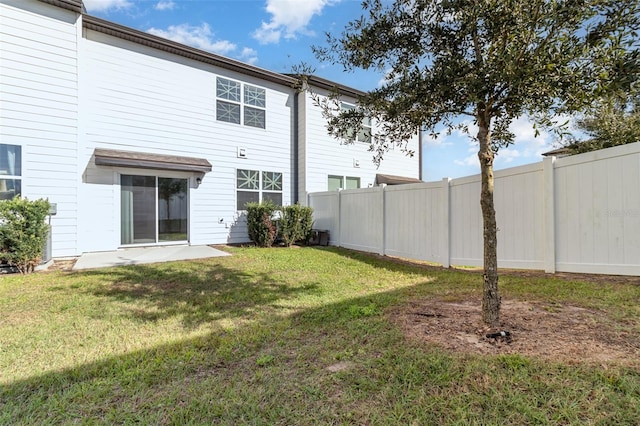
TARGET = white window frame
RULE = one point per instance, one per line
(6, 175)
(364, 132)
(264, 183)
(248, 101)
(343, 181)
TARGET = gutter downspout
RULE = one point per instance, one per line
(296, 141)
(420, 154)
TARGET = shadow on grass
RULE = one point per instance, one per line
(197, 292)
(210, 379)
(274, 369)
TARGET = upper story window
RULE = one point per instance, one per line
(10, 171)
(240, 103)
(364, 132)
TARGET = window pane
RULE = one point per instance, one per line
(364, 135)
(10, 160)
(9, 188)
(254, 117)
(272, 181)
(248, 179)
(138, 209)
(172, 209)
(352, 183)
(245, 197)
(254, 96)
(227, 89)
(275, 197)
(335, 183)
(228, 112)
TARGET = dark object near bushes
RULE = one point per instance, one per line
(23, 232)
(262, 229)
(295, 224)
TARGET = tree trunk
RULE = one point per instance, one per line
(490, 296)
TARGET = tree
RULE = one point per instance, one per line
(612, 122)
(491, 60)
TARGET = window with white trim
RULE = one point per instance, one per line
(240, 103)
(364, 132)
(254, 186)
(10, 171)
(335, 183)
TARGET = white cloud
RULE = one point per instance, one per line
(104, 5)
(200, 37)
(289, 18)
(165, 5)
(470, 161)
(248, 55)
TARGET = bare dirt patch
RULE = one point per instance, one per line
(551, 331)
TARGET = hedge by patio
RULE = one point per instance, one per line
(23, 232)
(294, 224)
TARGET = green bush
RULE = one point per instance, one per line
(295, 224)
(262, 229)
(23, 232)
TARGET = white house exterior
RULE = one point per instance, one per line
(139, 140)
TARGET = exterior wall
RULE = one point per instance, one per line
(139, 99)
(573, 214)
(39, 105)
(324, 155)
(67, 91)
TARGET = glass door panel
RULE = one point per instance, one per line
(172, 209)
(153, 209)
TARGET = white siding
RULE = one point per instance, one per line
(39, 106)
(139, 99)
(324, 155)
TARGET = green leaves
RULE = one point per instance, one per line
(23, 232)
(444, 58)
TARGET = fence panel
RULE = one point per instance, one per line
(413, 214)
(361, 225)
(573, 214)
(598, 211)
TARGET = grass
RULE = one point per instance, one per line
(247, 339)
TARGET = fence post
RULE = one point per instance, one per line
(383, 200)
(339, 233)
(446, 225)
(548, 166)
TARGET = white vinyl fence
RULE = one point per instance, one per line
(574, 214)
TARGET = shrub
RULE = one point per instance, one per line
(262, 230)
(295, 224)
(23, 232)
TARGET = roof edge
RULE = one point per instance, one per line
(73, 5)
(323, 83)
(150, 40)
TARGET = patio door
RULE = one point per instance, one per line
(153, 209)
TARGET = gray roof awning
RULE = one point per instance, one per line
(142, 160)
(394, 180)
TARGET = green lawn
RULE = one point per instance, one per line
(247, 339)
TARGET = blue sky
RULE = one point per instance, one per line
(278, 34)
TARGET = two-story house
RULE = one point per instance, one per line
(139, 140)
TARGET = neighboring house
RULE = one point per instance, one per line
(139, 140)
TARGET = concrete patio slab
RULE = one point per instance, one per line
(138, 255)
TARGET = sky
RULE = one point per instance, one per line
(277, 35)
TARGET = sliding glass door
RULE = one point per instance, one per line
(153, 209)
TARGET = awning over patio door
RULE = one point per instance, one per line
(142, 160)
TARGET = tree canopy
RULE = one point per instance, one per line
(490, 60)
(610, 123)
